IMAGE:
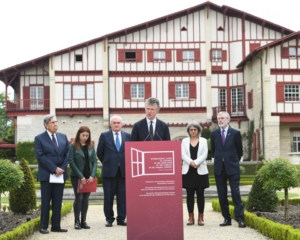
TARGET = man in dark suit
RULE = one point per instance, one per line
(227, 150)
(110, 152)
(52, 153)
(150, 128)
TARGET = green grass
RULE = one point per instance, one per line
(291, 195)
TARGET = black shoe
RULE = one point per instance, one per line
(227, 222)
(108, 224)
(241, 224)
(77, 225)
(84, 225)
(44, 231)
(58, 230)
(121, 223)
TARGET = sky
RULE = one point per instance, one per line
(33, 28)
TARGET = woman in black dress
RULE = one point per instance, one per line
(194, 170)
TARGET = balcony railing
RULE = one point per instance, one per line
(233, 110)
(27, 105)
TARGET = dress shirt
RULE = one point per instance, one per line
(50, 136)
(119, 135)
(153, 124)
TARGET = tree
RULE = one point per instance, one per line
(5, 122)
(11, 176)
(280, 174)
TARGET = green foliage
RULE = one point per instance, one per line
(35, 173)
(26, 150)
(23, 199)
(242, 169)
(205, 133)
(209, 155)
(261, 199)
(5, 122)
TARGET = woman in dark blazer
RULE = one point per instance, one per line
(194, 170)
(83, 164)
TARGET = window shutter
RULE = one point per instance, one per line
(192, 89)
(148, 90)
(26, 97)
(46, 97)
(280, 92)
(168, 55)
(150, 55)
(171, 90)
(253, 46)
(197, 55)
(127, 94)
(285, 52)
(210, 54)
(250, 99)
(179, 55)
(121, 55)
(139, 55)
(224, 55)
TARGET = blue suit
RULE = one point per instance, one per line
(49, 158)
(140, 131)
(227, 167)
(113, 174)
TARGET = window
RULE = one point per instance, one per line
(290, 52)
(159, 56)
(78, 58)
(291, 92)
(218, 55)
(36, 97)
(79, 91)
(237, 101)
(137, 91)
(188, 56)
(222, 99)
(130, 55)
(296, 141)
(182, 90)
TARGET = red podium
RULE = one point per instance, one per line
(154, 190)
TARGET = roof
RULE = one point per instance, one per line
(228, 11)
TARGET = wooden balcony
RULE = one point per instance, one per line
(238, 111)
(27, 105)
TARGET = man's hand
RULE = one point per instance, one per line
(59, 172)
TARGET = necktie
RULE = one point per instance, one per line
(117, 142)
(54, 142)
(151, 131)
(223, 136)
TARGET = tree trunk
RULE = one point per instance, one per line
(286, 204)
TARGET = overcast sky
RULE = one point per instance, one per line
(33, 28)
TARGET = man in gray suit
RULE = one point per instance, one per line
(111, 153)
(227, 150)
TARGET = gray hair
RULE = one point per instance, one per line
(153, 102)
(115, 116)
(195, 125)
(48, 118)
(226, 113)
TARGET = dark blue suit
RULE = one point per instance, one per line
(113, 174)
(140, 131)
(227, 167)
(49, 159)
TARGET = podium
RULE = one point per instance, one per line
(154, 190)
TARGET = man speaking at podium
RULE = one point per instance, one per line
(150, 128)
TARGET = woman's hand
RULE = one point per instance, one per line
(83, 180)
(192, 164)
(91, 179)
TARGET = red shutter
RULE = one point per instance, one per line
(46, 97)
(148, 90)
(285, 52)
(171, 90)
(197, 55)
(139, 55)
(253, 46)
(150, 55)
(26, 97)
(280, 92)
(127, 94)
(224, 55)
(192, 89)
(210, 55)
(168, 55)
(121, 55)
(179, 55)
(250, 99)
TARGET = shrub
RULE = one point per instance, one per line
(260, 198)
(205, 133)
(26, 150)
(23, 199)
(35, 173)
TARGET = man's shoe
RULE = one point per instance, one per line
(241, 224)
(58, 230)
(227, 222)
(44, 231)
(121, 223)
(108, 224)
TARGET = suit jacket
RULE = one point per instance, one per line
(231, 152)
(77, 162)
(109, 155)
(201, 156)
(48, 157)
(140, 131)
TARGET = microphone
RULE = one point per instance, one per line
(158, 136)
(147, 136)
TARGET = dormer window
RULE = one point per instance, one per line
(78, 58)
